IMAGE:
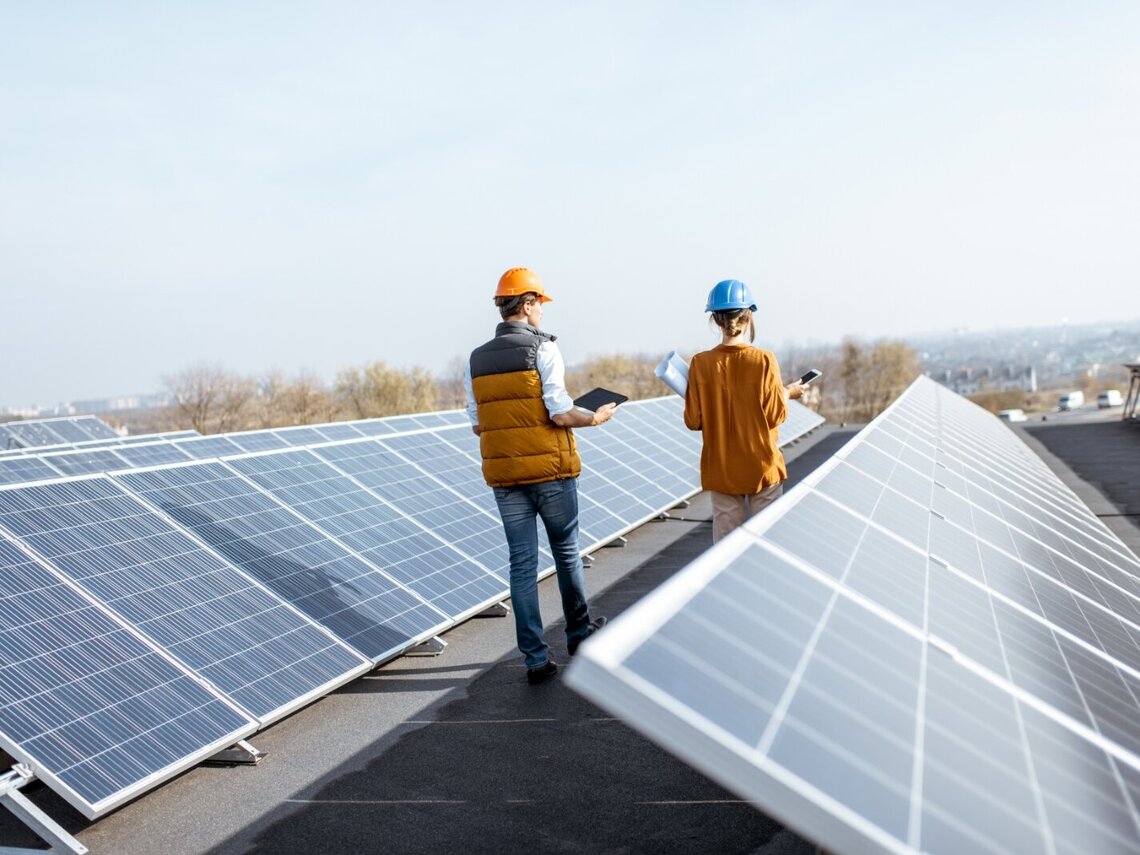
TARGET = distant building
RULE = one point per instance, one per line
(970, 380)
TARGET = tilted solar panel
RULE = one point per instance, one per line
(205, 447)
(32, 433)
(18, 470)
(85, 462)
(69, 431)
(373, 528)
(435, 507)
(801, 420)
(896, 657)
(8, 440)
(351, 598)
(207, 615)
(96, 712)
(95, 427)
(152, 453)
(475, 523)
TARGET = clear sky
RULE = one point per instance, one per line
(313, 186)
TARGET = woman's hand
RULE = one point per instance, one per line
(795, 390)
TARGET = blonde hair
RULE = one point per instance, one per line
(735, 321)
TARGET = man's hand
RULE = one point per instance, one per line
(583, 418)
(795, 390)
(604, 413)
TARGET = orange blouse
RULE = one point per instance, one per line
(736, 399)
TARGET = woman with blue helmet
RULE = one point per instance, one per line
(736, 399)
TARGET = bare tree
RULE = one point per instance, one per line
(379, 390)
(452, 395)
(872, 378)
(300, 400)
(210, 399)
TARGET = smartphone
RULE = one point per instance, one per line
(810, 375)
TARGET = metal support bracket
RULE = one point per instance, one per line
(241, 753)
(500, 609)
(587, 560)
(616, 542)
(432, 647)
(35, 819)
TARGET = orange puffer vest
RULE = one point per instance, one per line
(518, 441)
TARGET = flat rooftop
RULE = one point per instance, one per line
(457, 752)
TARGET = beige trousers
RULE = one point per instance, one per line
(729, 511)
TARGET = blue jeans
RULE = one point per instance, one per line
(556, 502)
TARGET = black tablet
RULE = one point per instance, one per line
(598, 397)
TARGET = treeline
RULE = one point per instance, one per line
(858, 381)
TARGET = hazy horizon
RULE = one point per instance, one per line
(276, 186)
(781, 350)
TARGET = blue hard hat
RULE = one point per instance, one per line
(730, 294)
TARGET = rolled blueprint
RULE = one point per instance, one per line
(674, 372)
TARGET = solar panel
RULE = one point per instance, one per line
(300, 436)
(451, 456)
(205, 447)
(890, 657)
(210, 617)
(339, 430)
(96, 712)
(258, 440)
(360, 605)
(626, 441)
(152, 453)
(471, 531)
(801, 420)
(440, 455)
(69, 431)
(85, 462)
(154, 437)
(8, 440)
(374, 427)
(16, 470)
(95, 427)
(33, 433)
(374, 529)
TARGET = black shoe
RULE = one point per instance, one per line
(534, 676)
(595, 625)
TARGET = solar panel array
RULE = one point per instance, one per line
(929, 645)
(200, 591)
(55, 431)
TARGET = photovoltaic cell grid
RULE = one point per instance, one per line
(86, 462)
(362, 549)
(353, 599)
(17, 470)
(98, 713)
(208, 616)
(929, 645)
(45, 432)
(348, 511)
(469, 583)
(92, 444)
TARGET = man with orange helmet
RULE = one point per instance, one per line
(521, 412)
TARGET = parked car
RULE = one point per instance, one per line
(1070, 401)
(1015, 415)
(1110, 398)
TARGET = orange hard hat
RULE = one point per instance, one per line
(521, 280)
